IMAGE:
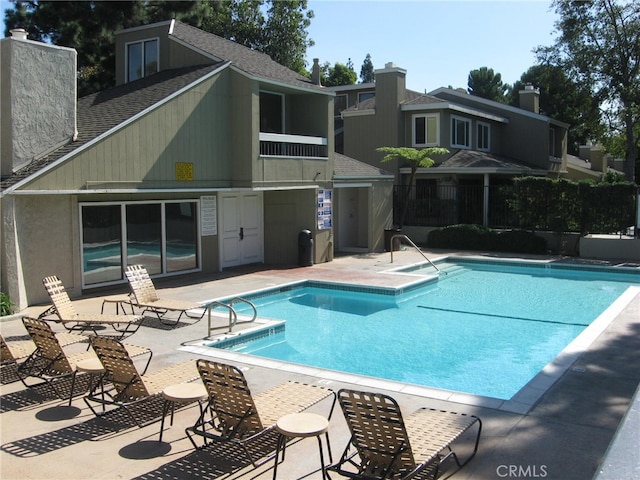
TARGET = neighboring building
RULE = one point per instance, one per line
(206, 155)
(489, 142)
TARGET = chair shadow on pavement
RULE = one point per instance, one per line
(108, 425)
(39, 394)
(216, 460)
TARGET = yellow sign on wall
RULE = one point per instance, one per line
(184, 171)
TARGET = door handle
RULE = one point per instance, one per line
(241, 233)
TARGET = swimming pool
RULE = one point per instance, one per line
(484, 328)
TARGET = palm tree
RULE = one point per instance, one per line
(416, 158)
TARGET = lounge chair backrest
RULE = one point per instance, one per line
(120, 369)
(59, 297)
(232, 400)
(5, 354)
(378, 433)
(141, 284)
(51, 357)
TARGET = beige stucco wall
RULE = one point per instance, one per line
(46, 240)
(38, 98)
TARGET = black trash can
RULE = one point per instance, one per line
(388, 233)
(305, 248)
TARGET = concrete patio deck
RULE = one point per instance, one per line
(564, 435)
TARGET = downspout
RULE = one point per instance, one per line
(485, 203)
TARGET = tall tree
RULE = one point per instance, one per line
(599, 46)
(561, 98)
(484, 82)
(89, 27)
(366, 72)
(286, 38)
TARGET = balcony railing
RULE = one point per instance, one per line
(297, 146)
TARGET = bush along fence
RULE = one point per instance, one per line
(527, 203)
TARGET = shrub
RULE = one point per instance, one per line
(475, 237)
(6, 307)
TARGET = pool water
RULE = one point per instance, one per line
(482, 329)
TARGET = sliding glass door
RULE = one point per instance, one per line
(162, 236)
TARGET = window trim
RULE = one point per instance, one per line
(467, 121)
(486, 125)
(126, 56)
(371, 93)
(426, 136)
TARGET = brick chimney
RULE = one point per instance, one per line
(37, 99)
(530, 98)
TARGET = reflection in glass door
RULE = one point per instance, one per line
(144, 236)
(162, 236)
(101, 243)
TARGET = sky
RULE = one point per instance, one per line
(437, 42)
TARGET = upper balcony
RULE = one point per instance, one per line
(292, 146)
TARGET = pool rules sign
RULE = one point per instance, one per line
(208, 215)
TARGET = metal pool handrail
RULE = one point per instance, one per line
(403, 236)
(233, 316)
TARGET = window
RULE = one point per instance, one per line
(271, 112)
(483, 136)
(339, 104)
(426, 130)
(460, 132)
(362, 96)
(162, 236)
(142, 59)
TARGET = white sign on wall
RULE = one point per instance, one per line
(324, 208)
(209, 215)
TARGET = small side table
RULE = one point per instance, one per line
(302, 425)
(182, 393)
(93, 367)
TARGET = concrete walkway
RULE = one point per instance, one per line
(563, 436)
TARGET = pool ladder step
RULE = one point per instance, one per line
(233, 315)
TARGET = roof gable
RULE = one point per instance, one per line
(101, 112)
(251, 62)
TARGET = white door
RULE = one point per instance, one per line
(241, 239)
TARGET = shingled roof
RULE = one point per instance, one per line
(100, 112)
(251, 62)
(347, 167)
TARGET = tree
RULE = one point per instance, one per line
(599, 46)
(285, 32)
(416, 158)
(483, 82)
(89, 27)
(561, 98)
(339, 74)
(366, 72)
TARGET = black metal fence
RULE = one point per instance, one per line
(442, 205)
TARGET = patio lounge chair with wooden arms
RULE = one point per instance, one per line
(240, 417)
(66, 314)
(51, 364)
(385, 445)
(144, 295)
(132, 391)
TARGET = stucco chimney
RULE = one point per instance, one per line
(530, 98)
(315, 72)
(37, 99)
